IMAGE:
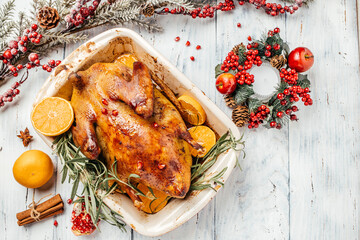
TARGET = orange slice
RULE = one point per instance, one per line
(126, 59)
(153, 202)
(52, 116)
(193, 111)
(205, 137)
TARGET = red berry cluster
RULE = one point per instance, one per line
(232, 62)
(256, 118)
(289, 77)
(295, 93)
(81, 11)
(20, 45)
(10, 54)
(204, 12)
(274, 9)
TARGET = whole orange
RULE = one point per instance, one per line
(33, 169)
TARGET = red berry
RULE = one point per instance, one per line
(37, 41)
(37, 62)
(273, 124)
(45, 66)
(20, 66)
(69, 201)
(279, 114)
(48, 69)
(16, 91)
(192, 58)
(51, 62)
(57, 63)
(33, 57)
(7, 54)
(28, 66)
(34, 27)
(177, 39)
(277, 30)
(187, 43)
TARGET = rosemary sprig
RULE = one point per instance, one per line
(93, 174)
(225, 142)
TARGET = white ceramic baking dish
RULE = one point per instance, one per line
(105, 48)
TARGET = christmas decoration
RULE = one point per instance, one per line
(275, 111)
(48, 17)
(301, 59)
(20, 38)
(25, 137)
(240, 115)
(229, 100)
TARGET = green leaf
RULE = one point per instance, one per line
(303, 81)
(218, 70)
(243, 93)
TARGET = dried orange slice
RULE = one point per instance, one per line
(126, 59)
(52, 116)
(205, 137)
(193, 111)
(154, 201)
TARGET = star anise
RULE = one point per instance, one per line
(25, 136)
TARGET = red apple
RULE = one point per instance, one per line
(226, 83)
(301, 59)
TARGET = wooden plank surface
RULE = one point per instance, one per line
(298, 183)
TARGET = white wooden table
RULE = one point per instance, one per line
(302, 182)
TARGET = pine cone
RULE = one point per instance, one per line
(240, 116)
(148, 10)
(229, 100)
(278, 61)
(48, 17)
(236, 48)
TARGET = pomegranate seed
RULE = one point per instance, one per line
(192, 58)
(104, 111)
(104, 101)
(239, 25)
(115, 113)
(140, 165)
(56, 223)
(187, 43)
(177, 39)
(198, 47)
(155, 125)
(249, 38)
(161, 166)
(69, 201)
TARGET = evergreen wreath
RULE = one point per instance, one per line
(294, 86)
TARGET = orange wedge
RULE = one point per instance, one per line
(52, 116)
(126, 59)
(193, 111)
(205, 137)
(152, 203)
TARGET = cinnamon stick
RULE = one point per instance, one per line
(43, 214)
(52, 202)
(31, 220)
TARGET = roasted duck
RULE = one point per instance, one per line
(120, 114)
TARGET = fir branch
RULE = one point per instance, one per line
(243, 93)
